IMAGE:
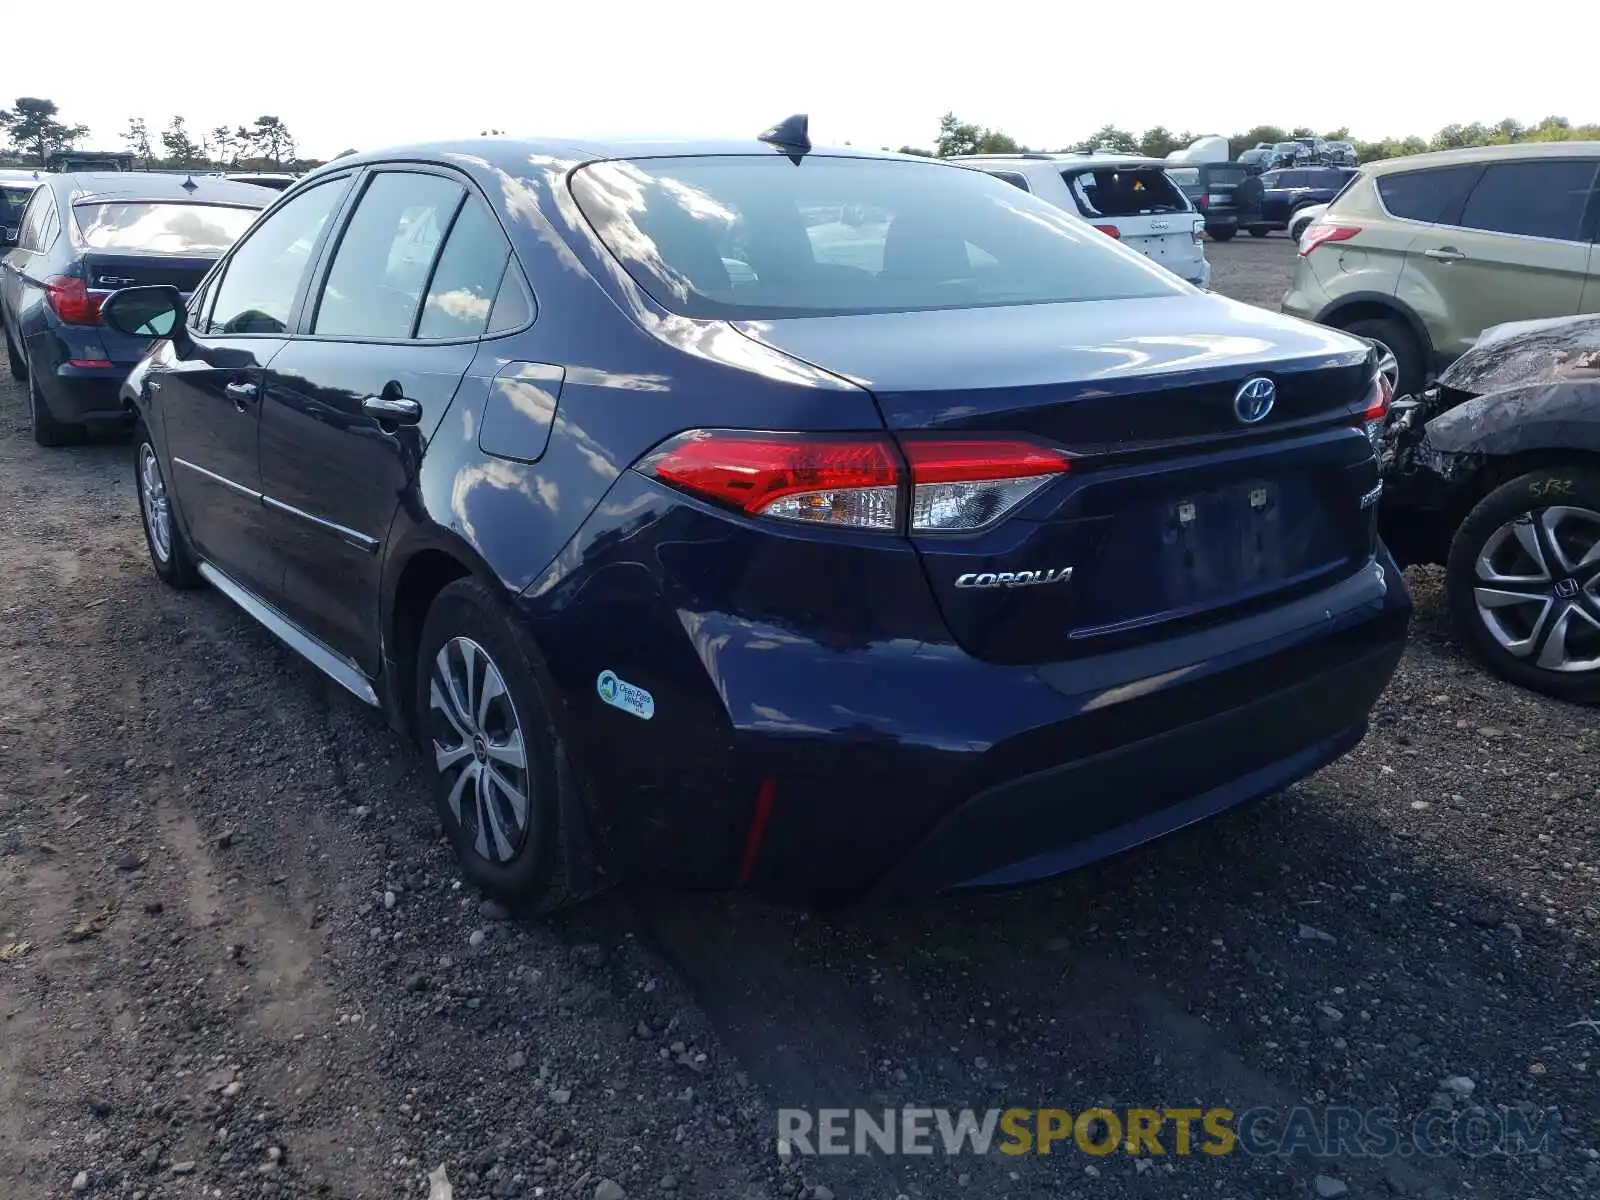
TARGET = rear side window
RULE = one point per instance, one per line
(35, 219)
(1124, 192)
(462, 291)
(1535, 199)
(264, 274)
(159, 228)
(733, 237)
(1426, 195)
(1011, 177)
(385, 256)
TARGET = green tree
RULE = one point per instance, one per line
(32, 128)
(1255, 135)
(270, 139)
(225, 146)
(182, 150)
(1159, 141)
(962, 137)
(917, 150)
(1109, 137)
(138, 139)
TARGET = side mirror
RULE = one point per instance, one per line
(144, 311)
(8, 235)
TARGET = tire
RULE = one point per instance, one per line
(523, 866)
(1259, 231)
(1298, 230)
(47, 431)
(170, 555)
(1222, 235)
(1402, 343)
(1528, 641)
(14, 356)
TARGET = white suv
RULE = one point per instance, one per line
(1124, 195)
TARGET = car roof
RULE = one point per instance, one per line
(8, 175)
(1099, 158)
(514, 155)
(1479, 154)
(162, 185)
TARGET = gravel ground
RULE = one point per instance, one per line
(235, 960)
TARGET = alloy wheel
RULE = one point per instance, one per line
(479, 750)
(1388, 365)
(1538, 588)
(157, 512)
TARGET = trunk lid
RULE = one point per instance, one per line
(107, 271)
(1175, 511)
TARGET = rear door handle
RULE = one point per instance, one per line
(1445, 254)
(395, 410)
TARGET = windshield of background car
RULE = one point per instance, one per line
(13, 199)
(748, 237)
(158, 227)
(1124, 192)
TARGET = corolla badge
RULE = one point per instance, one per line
(1012, 579)
(1254, 399)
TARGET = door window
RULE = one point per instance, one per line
(462, 291)
(387, 251)
(1426, 195)
(263, 277)
(1544, 199)
(36, 221)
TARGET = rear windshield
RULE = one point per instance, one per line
(1124, 192)
(1184, 176)
(13, 199)
(1226, 176)
(751, 237)
(159, 227)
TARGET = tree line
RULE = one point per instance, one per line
(964, 137)
(35, 131)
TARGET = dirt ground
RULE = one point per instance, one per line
(235, 960)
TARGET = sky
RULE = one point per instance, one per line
(346, 75)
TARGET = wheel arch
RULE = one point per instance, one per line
(1360, 306)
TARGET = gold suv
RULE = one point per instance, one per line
(1422, 254)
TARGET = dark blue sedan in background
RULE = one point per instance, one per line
(80, 238)
(744, 513)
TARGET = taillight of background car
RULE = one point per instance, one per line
(70, 299)
(1319, 234)
(858, 481)
(1110, 231)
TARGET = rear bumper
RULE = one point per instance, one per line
(87, 394)
(829, 763)
(1087, 810)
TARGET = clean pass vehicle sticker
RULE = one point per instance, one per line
(626, 696)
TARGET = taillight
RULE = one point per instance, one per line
(70, 299)
(1110, 231)
(958, 486)
(1316, 235)
(1379, 396)
(1199, 231)
(857, 480)
(824, 479)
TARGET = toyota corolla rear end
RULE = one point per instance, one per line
(1101, 562)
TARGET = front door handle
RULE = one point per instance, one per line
(392, 410)
(1445, 254)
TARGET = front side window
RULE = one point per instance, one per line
(161, 228)
(1426, 195)
(263, 277)
(462, 291)
(385, 256)
(1124, 192)
(753, 236)
(1543, 199)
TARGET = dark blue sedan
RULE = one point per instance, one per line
(82, 237)
(749, 514)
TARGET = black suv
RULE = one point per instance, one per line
(1226, 194)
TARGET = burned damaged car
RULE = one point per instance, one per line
(1494, 472)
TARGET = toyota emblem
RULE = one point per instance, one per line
(1254, 399)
